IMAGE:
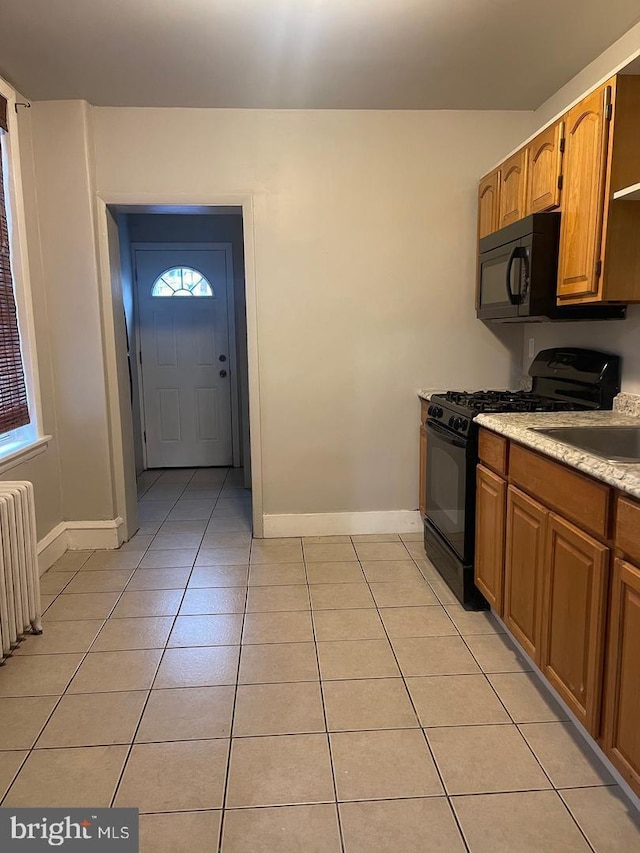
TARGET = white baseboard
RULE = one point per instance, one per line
(95, 535)
(78, 536)
(341, 523)
(51, 547)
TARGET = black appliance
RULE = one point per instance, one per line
(564, 379)
(518, 271)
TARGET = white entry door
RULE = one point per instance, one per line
(184, 338)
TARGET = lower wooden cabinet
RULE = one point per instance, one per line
(574, 618)
(622, 697)
(491, 496)
(524, 569)
(569, 604)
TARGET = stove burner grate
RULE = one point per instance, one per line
(507, 401)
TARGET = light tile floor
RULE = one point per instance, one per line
(278, 696)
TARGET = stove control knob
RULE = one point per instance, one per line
(465, 424)
(452, 421)
(457, 423)
(431, 410)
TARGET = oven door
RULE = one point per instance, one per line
(499, 275)
(449, 466)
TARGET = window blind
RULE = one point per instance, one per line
(3, 113)
(14, 408)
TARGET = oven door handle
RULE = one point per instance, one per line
(444, 433)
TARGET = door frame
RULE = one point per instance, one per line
(231, 332)
(173, 203)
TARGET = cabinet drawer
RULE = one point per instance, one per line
(492, 450)
(578, 498)
(627, 532)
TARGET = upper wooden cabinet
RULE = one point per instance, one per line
(544, 170)
(599, 246)
(585, 164)
(488, 204)
(578, 165)
(512, 195)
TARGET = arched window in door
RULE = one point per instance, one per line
(181, 281)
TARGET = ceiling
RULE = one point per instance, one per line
(343, 54)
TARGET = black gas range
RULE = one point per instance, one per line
(563, 379)
(458, 408)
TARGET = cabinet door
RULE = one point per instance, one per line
(422, 497)
(573, 621)
(513, 188)
(622, 700)
(585, 159)
(488, 204)
(490, 518)
(526, 529)
(544, 159)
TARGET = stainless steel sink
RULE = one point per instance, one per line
(616, 444)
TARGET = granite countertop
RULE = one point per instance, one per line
(521, 427)
(425, 393)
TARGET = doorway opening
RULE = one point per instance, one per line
(182, 277)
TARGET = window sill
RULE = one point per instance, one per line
(24, 453)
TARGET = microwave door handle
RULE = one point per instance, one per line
(513, 298)
(525, 274)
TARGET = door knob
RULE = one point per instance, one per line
(223, 358)
(223, 373)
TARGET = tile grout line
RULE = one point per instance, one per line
(322, 700)
(308, 585)
(225, 788)
(67, 685)
(175, 617)
(104, 621)
(415, 711)
(517, 726)
(144, 707)
(166, 646)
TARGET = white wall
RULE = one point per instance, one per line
(609, 62)
(65, 220)
(618, 337)
(364, 238)
(364, 235)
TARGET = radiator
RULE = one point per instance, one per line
(19, 577)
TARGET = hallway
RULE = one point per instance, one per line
(237, 690)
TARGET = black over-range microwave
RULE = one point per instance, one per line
(518, 271)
